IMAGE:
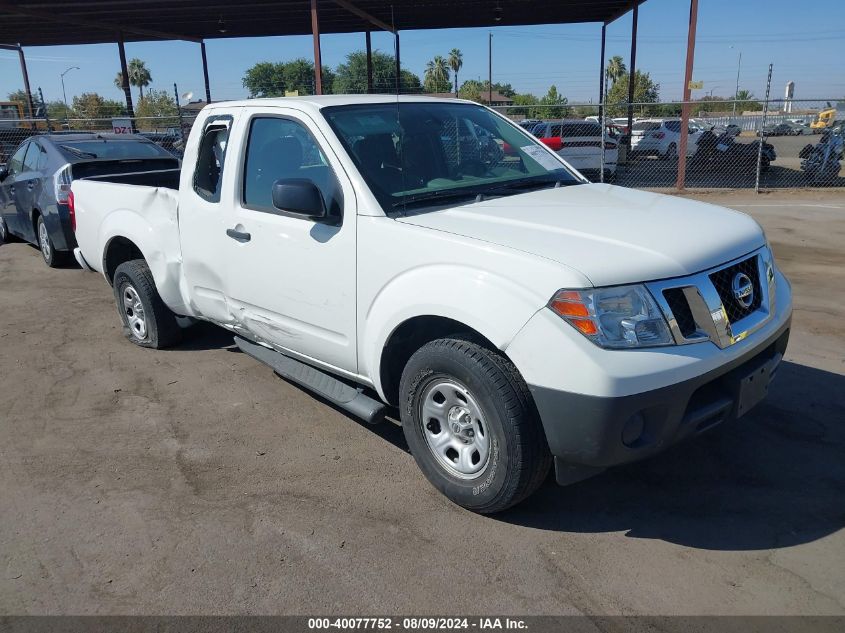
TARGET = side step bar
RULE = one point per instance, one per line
(348, 397)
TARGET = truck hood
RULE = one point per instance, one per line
(612, 235)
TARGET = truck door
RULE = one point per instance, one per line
(291, 280)
(203, 218)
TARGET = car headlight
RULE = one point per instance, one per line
(621, 317)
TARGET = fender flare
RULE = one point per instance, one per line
(492, 305)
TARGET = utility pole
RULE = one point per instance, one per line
(44, 105)
(490, 69)
(736, 92)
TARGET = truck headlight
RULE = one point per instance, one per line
(618, 318)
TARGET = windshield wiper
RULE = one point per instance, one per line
(436, 196)
(524, 185)
(78, 152)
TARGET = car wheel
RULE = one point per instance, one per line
(4, 232)
(471, 425)
(147, 322)
(671, 152)
(52, 257)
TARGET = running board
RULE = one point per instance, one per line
(348, 397)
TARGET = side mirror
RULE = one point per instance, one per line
(299, 197)
(4, 172)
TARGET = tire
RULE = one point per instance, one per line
(477, 397)
(52, 257)
(4, 232)
(671, 152)
(147, 322)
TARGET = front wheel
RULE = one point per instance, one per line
(471, 425)
(147, 322)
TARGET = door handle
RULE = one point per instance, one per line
(238, 236)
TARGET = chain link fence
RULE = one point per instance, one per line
(730, 145)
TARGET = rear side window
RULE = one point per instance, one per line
(208, 175)
(112, 149)
(645, 126)
(16, 162)
(673, 126)
(30, 163)
(581, 129)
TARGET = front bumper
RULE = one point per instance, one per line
(590, 433)
(604, 407)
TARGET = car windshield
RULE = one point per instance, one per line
(421, 155)
(112, 149)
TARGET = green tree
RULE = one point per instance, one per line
(645, 91)
(91, 106)
(746, 101)
(554, 103)
(351, 76)
(456, 62)
(526, 100)
(616, 69)
(139, 76)
(58, 111)
(19, 96)
(160, 106)
(472, 87)
(436, 77)
(273, 79)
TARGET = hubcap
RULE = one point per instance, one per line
(44, 240)
(454, 428)
(134, 311)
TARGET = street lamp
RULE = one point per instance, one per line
(64, 96)
(736, 92)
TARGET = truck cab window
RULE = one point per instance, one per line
(279, 149)
(209, 170)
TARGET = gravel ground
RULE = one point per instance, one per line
(195, 481)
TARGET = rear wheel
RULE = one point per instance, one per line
(671, 152)
(147, 322)
(4, 231)
(52, 257)
(471, 424)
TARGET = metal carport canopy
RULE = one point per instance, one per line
(59, 22)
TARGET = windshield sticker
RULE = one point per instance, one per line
(542, 157)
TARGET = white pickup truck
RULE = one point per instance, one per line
(431, 255)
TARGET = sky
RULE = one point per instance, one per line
(804, 42)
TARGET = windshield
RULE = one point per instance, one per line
(112, 149)
(422, 154)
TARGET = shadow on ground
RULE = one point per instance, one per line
(772, 479)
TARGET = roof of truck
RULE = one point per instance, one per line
(322, 101)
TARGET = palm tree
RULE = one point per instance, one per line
(437, 75)
(139, 76)
(744, 95)
(616, 69)
(456, 61)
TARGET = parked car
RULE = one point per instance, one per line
(579, 144)
(776, 129)
(517, 316)
(35, 184)
(732, 129)
(661, 137)
(799, 129)
(528, 124)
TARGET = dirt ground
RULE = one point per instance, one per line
(194, 481)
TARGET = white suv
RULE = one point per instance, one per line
(579, 144)
(661, 137)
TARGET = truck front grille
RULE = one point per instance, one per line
(711, 305)
(723, 282)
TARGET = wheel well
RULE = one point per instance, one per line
(33, 218)
(408, 338)
(119, 251)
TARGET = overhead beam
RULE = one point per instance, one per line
(623, 11)
(63, 18)
(369, 43)
(364, 15)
